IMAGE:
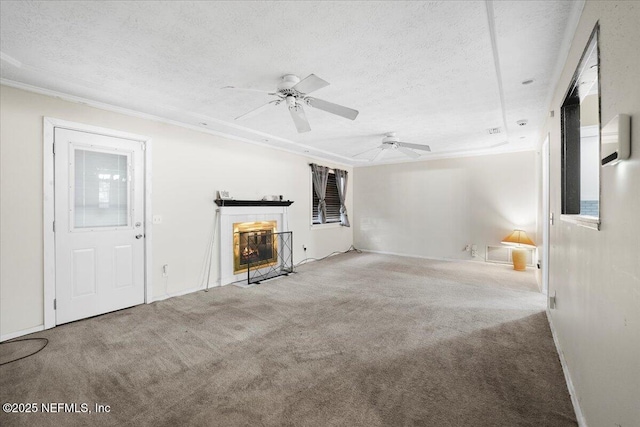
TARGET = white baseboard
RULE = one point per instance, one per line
(17, 334)
(421, 256)
(567, 375)
(180, 293)
(39, 328)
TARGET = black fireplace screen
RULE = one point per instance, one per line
(266, 254)
(257, 248)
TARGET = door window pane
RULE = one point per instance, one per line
(101, 189)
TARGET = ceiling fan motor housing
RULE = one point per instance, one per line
(390, 138)
(288, 81)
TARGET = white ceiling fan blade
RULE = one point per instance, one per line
(414, 146)
(257, 111)
(366, 151)
(310, 83)
(378, 156)
(408, 152)
(299, 118)
(330, 107)
(246, 89)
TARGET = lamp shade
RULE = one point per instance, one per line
(519, 238)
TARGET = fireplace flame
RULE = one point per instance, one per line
(248, 252)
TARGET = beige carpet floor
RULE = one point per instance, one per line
(355, 340)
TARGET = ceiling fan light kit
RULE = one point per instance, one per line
(294, 92)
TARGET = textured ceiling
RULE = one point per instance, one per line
(437, 73)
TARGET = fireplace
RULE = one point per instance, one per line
(252, 212)
(254, 244)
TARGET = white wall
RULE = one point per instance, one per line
(188, 167)
(596, 274)
(434, 208)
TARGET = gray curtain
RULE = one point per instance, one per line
(341, 181)
(320, 178)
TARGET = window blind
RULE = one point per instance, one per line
(332, 199)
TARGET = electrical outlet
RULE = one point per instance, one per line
(157, 219)
(474, 251)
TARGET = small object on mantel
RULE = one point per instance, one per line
(224, 195)
(247, 203)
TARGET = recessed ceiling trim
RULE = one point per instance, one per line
(26, 67)
(10, 60)
(264, 135)
(486, 151)
(496, 60)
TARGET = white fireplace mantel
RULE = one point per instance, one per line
(230, 215)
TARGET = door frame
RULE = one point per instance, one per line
(546, 209)
(49, 126)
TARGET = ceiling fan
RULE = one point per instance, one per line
(392, 142)
(295, 93)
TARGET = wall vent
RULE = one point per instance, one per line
(502, 255)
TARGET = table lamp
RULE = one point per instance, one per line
(521, 242)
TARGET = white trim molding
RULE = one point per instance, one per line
(177, 294)
(478, 259)
(49, 126)
(21, 333)
(567, 375)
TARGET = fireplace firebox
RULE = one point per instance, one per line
(254, 245)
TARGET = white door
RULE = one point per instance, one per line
(99, 224)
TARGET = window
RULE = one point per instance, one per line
(580, 120)
(332, 200)
(101, 192)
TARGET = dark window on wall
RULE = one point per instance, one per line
(580, 128)
(331, 199)
(571, 157)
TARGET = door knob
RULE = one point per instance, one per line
(138, 236)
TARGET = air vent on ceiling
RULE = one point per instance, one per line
(493, 131)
